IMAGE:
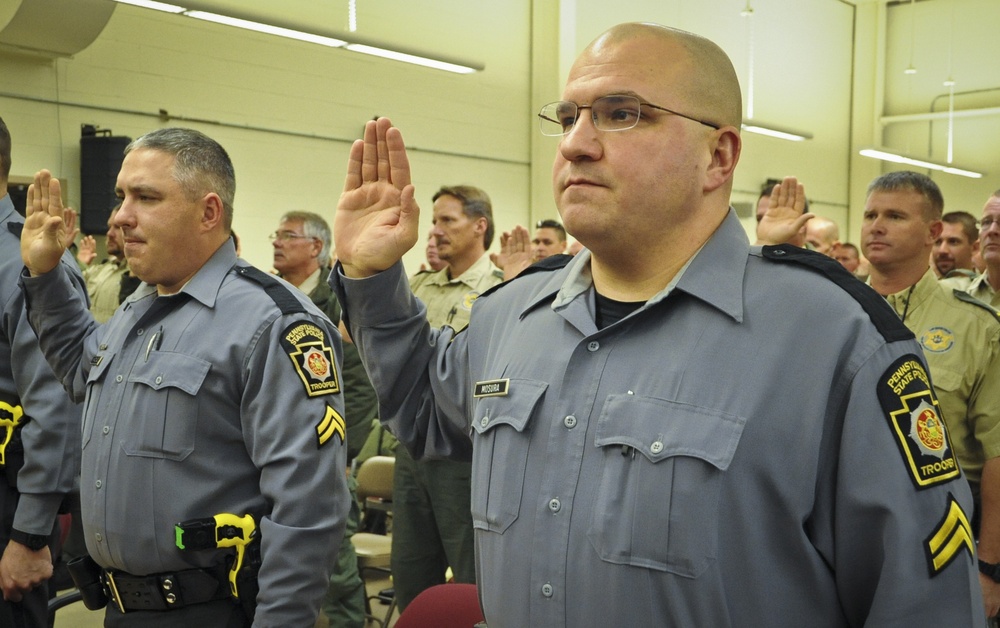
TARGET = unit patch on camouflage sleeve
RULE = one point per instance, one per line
(331, 424)
(905, 393)
(306, 345)
(949, 538)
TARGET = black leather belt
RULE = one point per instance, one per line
(166, 591)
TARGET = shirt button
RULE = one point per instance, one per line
(484, 421)
(139, 332)
(547, 590)
(118, 379)
(656, 447)
(555, 504)
(570, 422)
(98, 484)
(106, 429)
(98, 537)
(593, 346)
(158, 379)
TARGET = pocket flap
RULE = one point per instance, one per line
(165, 369)
(513, 409)
(659, 429)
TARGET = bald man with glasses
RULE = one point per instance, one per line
(649, 444)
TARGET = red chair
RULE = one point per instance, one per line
(443, 606)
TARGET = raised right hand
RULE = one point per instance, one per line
(87, 250)
(45, 230)
(376, 219)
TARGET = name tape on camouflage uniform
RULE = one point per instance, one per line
(306, 345)
(905, 393)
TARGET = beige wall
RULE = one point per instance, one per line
(464, 129)
(288, 110)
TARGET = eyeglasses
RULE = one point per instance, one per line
(610, 113)
(285, 236)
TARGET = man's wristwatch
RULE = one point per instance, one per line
(990, 570)
(34, 542)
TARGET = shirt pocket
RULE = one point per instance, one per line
(95, 388)
(657, 503)
(500, 453)
(163, 405)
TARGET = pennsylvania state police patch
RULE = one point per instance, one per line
(905, 393)
(309, 349)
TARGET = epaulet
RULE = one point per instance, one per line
(278, 292)
(549, 264)
(882, 316)
(968, 298)
(15, 228)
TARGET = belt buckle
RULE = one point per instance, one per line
(113, 589)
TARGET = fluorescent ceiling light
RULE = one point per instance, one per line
(408, 58)
(323, 40)
(896, 158)
(265, 28)
(156, 6)
(771, 131)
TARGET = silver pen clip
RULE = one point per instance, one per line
(154, 342)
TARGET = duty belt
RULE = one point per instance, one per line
(166, 591)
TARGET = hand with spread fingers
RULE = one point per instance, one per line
(515, 252)
(87, 250)
(376, 219)
(46, 226)
(784, 217)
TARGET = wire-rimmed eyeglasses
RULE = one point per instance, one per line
(609, 113)
(285, 236)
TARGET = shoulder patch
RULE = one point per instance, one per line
(912, 411)
(550, 263)
(307, 346)
(948, 540)
(968, 298)
(885, 320)
(278, 292)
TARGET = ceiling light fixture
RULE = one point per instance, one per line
(753, 126)
(750, 125)
(886, 155)
(353, 44)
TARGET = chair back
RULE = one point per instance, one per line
(451, 605)
(375, 478)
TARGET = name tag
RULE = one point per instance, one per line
(491, 388)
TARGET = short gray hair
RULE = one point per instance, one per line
(201, 165)
(313, 226)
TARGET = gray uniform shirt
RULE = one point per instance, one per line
(51, 437)
(218, 403)
(706, 461)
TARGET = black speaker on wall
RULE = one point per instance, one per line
(100, 160)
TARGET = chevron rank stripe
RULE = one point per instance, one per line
(331, 424)
(950, 537)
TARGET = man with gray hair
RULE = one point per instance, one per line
(986, 287)
(213, 433)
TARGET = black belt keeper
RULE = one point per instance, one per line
(167, 591)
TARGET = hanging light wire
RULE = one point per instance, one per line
(748, 13)
(352, 15)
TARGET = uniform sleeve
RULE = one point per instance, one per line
(292, 414)
(51, 438)
(893, 508)
(58, 311)
(420, 374)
